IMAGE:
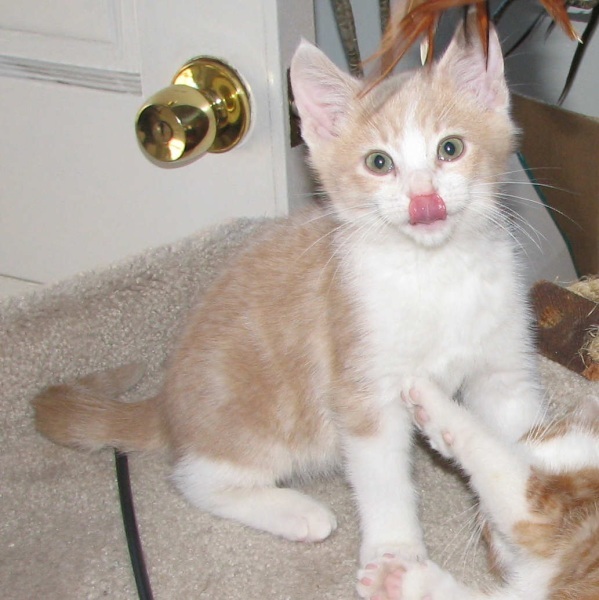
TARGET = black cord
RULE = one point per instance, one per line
(142, 581)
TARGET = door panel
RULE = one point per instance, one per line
(85, 42)
(76, 191)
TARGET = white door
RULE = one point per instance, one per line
(75, 190)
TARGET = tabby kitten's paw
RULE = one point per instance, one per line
(431, 409)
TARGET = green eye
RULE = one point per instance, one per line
(379, 163)
(450, 149)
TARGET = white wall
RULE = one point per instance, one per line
(540, 66)
(368, 29)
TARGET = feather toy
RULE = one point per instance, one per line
(418, 19)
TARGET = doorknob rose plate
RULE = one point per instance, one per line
(231, 100)
(206, 109)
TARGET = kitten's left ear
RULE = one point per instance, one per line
(465, 63)
(322, 93)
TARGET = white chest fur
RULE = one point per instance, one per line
(429, 312)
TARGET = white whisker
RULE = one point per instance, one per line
(448, 551)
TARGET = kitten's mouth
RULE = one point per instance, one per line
(426, 209)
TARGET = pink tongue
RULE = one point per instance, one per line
(426, 209)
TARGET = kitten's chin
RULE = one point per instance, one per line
(429, 235)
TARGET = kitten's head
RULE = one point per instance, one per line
(421, 152)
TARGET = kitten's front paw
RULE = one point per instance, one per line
(413, 550)
(396, 579)
(372, 578)
(430, 409)
(381, 561)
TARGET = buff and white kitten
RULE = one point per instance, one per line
(538, 499)
(293, 362)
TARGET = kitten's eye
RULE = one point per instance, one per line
(379, 163)
(450, 149)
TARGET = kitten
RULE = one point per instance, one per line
(539, 500)
(293, 361)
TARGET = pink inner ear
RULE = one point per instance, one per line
(481, 76)
(321, 117)
(322, 92)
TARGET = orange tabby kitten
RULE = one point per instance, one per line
(293, 361)
(539, 499)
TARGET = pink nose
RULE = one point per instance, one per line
(427, 208)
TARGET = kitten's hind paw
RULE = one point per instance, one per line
(431, 410)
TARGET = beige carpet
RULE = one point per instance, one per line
(61, 535)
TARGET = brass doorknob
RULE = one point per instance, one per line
(205, 109)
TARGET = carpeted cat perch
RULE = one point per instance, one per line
(61, 532)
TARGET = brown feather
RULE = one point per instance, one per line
(420, 19)
(558, 11)
(483, 24)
